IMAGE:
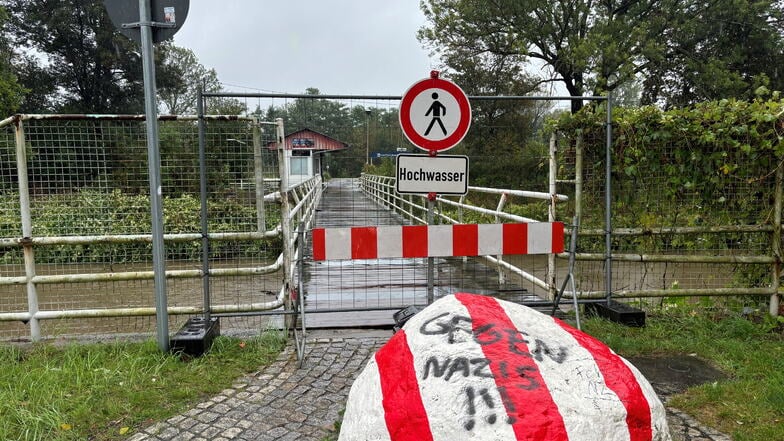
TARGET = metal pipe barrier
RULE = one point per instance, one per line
(382, 190)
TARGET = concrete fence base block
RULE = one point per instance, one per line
(472, 367)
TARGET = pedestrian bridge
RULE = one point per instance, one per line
(382, 271)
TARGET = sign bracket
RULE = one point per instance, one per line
(154, 24)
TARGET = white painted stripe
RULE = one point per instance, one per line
(491, 239)
(446, 400)
(540, 238)
(576, 384)
(367, 406)
(390, 241)
(337, 243)
(439, 240)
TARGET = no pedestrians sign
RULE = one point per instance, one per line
(435, 114)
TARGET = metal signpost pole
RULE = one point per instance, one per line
(420, 111)
(157, 21)
(154, 163)
(430, 261)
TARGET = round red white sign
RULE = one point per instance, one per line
(435, 114)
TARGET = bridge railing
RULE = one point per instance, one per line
(381, 189)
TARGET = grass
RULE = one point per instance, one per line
(749, 405)
(103, 391)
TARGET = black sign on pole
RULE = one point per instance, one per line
(167, 17)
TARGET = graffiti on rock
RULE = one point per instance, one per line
(458, 327)
(509, 356)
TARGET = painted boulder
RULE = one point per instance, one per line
(471, 367)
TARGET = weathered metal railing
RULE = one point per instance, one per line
(695, 258)
(297, 208)
(381, 189)
(308, 193)
(772, 259)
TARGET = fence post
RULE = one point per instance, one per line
(27, 230)
(500, 257)
(552, 289)
(608, 203)
(460, 217)
(578, 177)
(258, 175)
(285, 221)
(776, 242)
(430, 260)
(205, 239)
(411, 208)
(391, 203)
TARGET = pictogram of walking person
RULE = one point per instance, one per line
(436, 109)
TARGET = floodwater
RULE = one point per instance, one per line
(385, 285)
(230, 290)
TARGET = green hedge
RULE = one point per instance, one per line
(710, 163)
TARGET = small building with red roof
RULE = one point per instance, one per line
(305, 149)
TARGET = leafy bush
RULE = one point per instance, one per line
(712, 163)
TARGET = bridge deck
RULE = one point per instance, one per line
(379, 287)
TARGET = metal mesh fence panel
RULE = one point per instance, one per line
(12, 297)
(681, 220)
(678, 223)
(89, 195)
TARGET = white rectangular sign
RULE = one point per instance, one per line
(422, 174)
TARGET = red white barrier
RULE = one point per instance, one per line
(437, 240)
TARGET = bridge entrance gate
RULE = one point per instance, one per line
(514, 166)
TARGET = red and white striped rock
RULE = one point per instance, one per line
(472, 367)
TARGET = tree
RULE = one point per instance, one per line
(187, 75)
(682, 51)
(181, 96)
(718, 49)
(80, 62)
(96, 70)
(11, 91)
(587, 44)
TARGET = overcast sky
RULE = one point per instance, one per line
(337, 46)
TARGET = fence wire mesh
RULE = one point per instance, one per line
(506, 149)
(88, 178)
(680, 221)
